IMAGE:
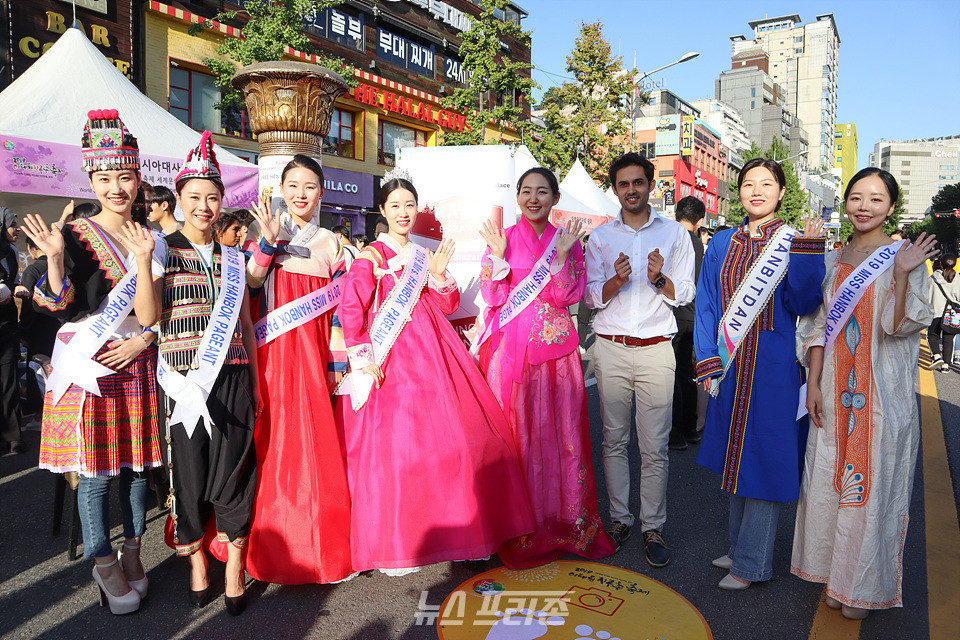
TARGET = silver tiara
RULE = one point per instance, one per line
(394, 174)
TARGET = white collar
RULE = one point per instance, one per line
(654, 216)
(403, 253)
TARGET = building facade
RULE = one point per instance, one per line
(845, 148)
(406, 60)
(804, 59)
(761, 103)
(32, 26)
(921, 167)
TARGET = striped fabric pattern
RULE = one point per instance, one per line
(188, 299)
(98, 436)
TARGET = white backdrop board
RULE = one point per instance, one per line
(459, 188)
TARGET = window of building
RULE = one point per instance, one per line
(192, 96)
(839, 147)
(947, 167)
(798, 38)
(753, 104)
(798, 50)
(391, 137)
(753, 92)
(339, 142)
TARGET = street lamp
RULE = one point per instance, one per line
(636, 85)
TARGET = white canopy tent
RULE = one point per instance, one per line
(571, 204)
(42, 114)
(578, 183)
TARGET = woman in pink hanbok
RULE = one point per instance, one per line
(529, 355)
(432, 466)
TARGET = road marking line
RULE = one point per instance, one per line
(17, 475)
(829, 624)
(943, 533)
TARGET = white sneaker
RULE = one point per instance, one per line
(936, 362)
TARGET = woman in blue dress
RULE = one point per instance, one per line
(755, 281)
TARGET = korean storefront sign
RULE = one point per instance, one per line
(406, 53)
(668, 135)
(445, 13)
(686, 136)
(338, 26)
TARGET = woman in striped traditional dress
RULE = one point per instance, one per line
(105, 423)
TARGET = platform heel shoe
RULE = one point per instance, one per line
(119, 605)
(141, 585)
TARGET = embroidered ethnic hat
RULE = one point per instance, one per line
(106, 144)
(201, 162)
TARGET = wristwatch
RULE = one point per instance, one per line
(660, 282)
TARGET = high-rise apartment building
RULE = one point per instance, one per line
(803, 58)
(922, 167)
(761, 103)
(845, 148)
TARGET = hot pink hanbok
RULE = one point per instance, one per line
(533, 365)
(432, 465)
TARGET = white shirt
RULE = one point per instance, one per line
(639, 309)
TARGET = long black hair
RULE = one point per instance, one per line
(392, 185)
(303, 162)
(546, 173)
(888, 181)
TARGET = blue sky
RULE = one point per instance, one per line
(899, 61)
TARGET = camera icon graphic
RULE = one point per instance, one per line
(593, 599)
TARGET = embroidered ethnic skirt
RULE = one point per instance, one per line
(98, 436)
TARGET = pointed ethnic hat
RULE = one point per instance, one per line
(201, 162)
(106, 144)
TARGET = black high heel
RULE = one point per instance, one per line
(236, 604)
(200, 599)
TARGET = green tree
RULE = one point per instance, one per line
(945, 227)
(947, 199)
(587, 117)
(497, 88)
(270, 27)
(794, 206)
(891, 225)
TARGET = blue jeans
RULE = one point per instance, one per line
(753, 529)
(93, 503)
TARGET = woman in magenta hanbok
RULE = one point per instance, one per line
(432, 466)
(533, 366)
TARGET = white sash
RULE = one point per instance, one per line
(845, 300)
(190, 392)
(523, 294)
(297, 312)
(73, 362)
(751, 298)
(387, 325)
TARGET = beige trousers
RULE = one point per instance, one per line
(647, 374)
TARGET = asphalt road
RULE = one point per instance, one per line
(45, 595)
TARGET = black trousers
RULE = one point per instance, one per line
(9, 390)
(684, 388)
(215, 474)
(936, 334)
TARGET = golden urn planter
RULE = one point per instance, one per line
(289, 104)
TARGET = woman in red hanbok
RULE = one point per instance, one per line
(433, 467)
(300, 531)
(533, 366)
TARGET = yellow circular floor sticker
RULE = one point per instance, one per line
(568, 600)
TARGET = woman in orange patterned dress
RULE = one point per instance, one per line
(865, 426)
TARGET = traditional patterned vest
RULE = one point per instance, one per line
(188, 299)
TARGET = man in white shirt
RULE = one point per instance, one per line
(639, 266)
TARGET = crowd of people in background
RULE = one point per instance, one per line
(360, 432)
